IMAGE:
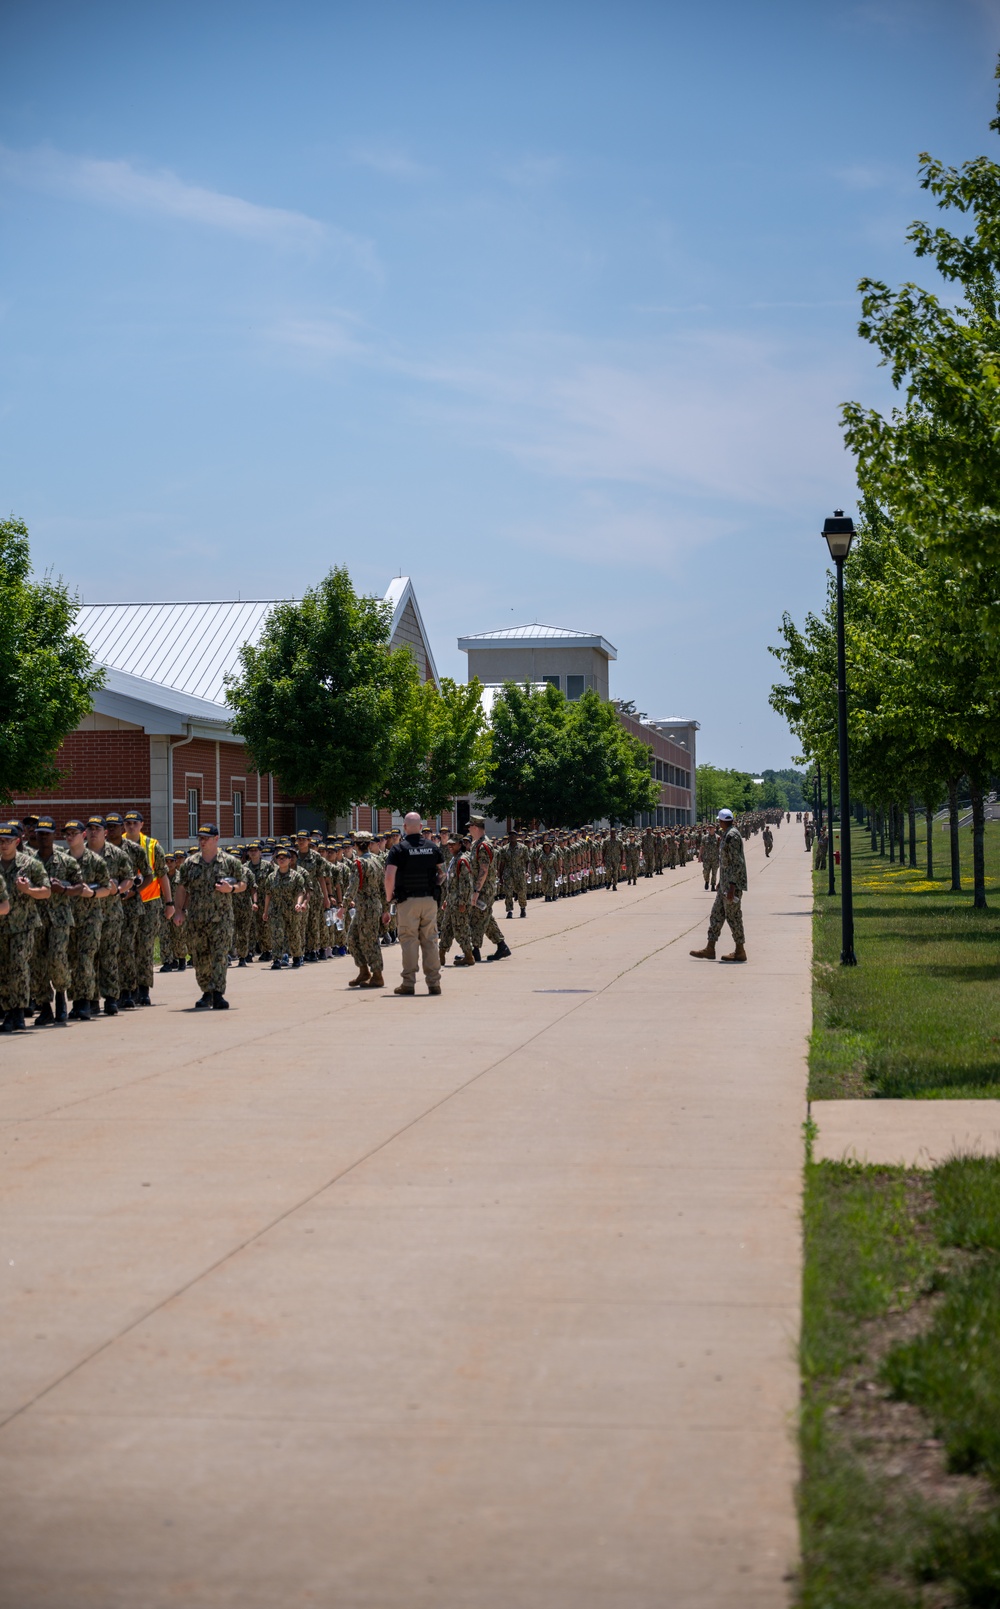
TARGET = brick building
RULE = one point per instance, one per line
(159, 736)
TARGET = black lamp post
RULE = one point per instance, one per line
(839, 534)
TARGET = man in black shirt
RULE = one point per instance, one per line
(414, 872)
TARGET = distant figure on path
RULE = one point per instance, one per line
(768, 838)
(728, 906)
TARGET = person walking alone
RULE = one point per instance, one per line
(728, 903)
(414, 872)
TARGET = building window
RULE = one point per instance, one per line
(192, 812)
(575, 686)
(237, 813)
(553, 681)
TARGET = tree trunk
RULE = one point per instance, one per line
(956, 854)
(929, 813)
(901, 830)
(892, 835)
(873, 829)
(881, 833)
(913, 831)
(978, 854)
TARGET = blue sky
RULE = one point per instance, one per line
(550, 306)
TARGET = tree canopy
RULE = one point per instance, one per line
(934, 464)
(564, 763)
(47, 677)
(319, 696)
(442, 747)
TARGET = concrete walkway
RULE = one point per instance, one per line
(481, 1302)
(906, 1134)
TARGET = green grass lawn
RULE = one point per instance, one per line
(920, 1014)
(900, 1492)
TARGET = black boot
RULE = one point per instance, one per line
(219, 1001)
(500, 953)
(523, 915)
(95, 1008)
(126, 1002)
(475, 953)
(81, 1011)
(45, 1016)
(144, 999)
(182, 964)
(297, 962)
(266, 955)
(111, 1008)
(60, 1014)
(168, 966)
(311, 955)
(18, 1024)
(7, 1026)
(205, 1002)
(242, 961)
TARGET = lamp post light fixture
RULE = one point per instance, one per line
(839, 534)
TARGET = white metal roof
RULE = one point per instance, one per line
(535, 634)
(190, 647)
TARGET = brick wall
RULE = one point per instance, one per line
(101, 771)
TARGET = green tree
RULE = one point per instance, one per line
(564, 763)
(318, 697)
(442, 748)
(47, 677)
(934, 464)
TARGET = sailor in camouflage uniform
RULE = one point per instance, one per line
(514, 875)
(50, 970)
(286, 901)
(366, 889)
(205, 886)
(732, 885)
(88, 923)
(456, 910)
(22, 883)
(122, 875)
(484, 877)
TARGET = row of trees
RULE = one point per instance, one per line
(328, 707)
(922, 585)
(742, 792)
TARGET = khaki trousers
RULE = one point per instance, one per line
(416, 924)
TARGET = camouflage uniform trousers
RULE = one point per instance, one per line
(515, 887)
(210, 943)
(483, 923)
(127, 969)
(109, 949)
(177, 942)
(50, 957)
(612, 869)
(710, 863)
(84, 943)
(632, 862)
(728, 910)
(15, 967)
(147, 931)
(242, 924)
(315, 925)
(364, 934)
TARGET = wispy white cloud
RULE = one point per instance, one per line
(392, 161)
(126, 188)
(743, 419)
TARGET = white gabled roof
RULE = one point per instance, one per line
(400, 592)
(535, 634)
(188, 648)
